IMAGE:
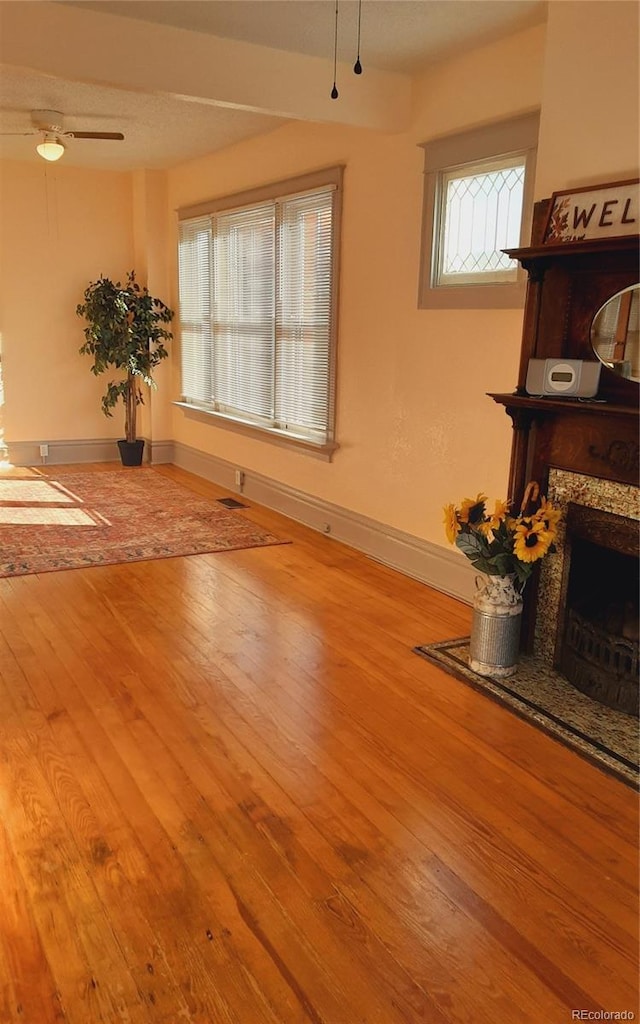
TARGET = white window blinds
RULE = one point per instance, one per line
(304, 313)
(257, 313)
(196, 324)
(243, 313)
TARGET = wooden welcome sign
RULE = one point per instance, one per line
(599, 211)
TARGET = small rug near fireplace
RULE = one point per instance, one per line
(607, 738)
(72, 520)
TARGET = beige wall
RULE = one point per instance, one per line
(414, 425)
(154, 259)
(487, 84)
(60, 228)
(413, 422)
(589, 128)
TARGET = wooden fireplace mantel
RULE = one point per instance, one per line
(550, 406)
(567, 285)
(599, 439)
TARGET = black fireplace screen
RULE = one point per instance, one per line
(598, 642)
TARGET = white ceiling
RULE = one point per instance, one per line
(396, 35)
(159, 131)
(399, 36)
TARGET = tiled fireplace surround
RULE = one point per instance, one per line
(567, 487)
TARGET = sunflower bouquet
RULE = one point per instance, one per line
(499, 543)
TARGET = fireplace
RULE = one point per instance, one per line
(594, 575)
(581, 609)
(597, 640)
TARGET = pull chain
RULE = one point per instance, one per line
(334, 91)
(357, 67)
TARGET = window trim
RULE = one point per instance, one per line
(506, 139)
(323, 450)
(263, 193)
(326, 178)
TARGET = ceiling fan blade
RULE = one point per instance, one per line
(118, 136)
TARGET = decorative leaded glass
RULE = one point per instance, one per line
(482, 215)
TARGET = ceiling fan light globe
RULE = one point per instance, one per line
(50, 149)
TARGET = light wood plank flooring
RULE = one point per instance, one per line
(230, 792)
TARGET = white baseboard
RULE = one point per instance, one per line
(160, 451)
(436, 566)
(27, 453)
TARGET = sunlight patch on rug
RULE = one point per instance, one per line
(75, 520)
(20, 492)
(38, 516)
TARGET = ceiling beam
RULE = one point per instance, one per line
(87, 46)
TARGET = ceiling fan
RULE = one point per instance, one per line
(50, 125)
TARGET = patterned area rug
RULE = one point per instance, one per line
(607, 738)
(72, 520)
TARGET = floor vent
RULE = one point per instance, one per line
(231, 503)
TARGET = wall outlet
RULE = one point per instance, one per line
(44, 450)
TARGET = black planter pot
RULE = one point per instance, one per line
(131, 452)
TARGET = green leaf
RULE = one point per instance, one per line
(472, 545)
(124, 331)
(522, 570)
(503, 564)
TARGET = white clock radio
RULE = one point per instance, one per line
(563, 377)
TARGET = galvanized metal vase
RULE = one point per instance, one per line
(495, 631)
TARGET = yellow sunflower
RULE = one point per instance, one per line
(532, 540)
(493, 522)
(499, 513)
(451, 524)
(472, 510)
(549, 515)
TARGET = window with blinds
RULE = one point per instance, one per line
(257, 310)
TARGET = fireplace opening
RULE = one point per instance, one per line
(597, 647)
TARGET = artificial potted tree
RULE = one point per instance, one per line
(125, 332)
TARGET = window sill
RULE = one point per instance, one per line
(322, 451)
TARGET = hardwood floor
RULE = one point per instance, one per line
(230, 792)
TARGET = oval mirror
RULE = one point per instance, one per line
(614, 333)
